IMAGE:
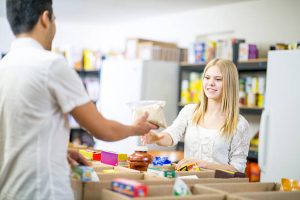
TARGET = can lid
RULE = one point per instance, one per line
(141, 148)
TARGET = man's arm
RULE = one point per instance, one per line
(89, 118)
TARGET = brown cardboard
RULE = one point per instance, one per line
(278, 195)
(242, 187)
(102, 167)
(159, 193)
(135, 176)
(215, 180)
(93, 190)
(200, 174)
(77, 189)
(166, 192)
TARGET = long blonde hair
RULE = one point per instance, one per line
(230, 97)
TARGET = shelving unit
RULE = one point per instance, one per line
(76, 130)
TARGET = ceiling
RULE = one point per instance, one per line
(117, 11)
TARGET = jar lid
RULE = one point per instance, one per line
(141, 148)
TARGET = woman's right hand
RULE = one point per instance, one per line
(151, 138)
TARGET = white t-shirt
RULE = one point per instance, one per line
(208, 144)
(37, 91)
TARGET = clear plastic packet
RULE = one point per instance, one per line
(180, 188)
(155, 109)
(290, 184)
(84, 173)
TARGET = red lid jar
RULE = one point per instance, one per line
(140, 159)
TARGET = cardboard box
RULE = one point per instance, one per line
(279, 195)
(241, 187)
(199, 174)
(215, 180)
(100, 169)
(133, 45)
(77, 188)
(93, 190)
(166, 192)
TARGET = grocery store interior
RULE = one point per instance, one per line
(153, 52)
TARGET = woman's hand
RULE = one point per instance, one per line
(200, 163)
(151, 138)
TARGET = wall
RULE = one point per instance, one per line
(263, 22)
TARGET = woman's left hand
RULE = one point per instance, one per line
(200, 163)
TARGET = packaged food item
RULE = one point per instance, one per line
(109, 171)
(161, 172)
(290, 185)
(228, 174)
(189, 167)
(140, 159)
(155, 110)
(128, 187)
(84, 173)
(161, 160)
(180, 188)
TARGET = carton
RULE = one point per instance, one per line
(278, 195)
(241, 187)
(93, 190)
(77, 188)
(163, 192)
(118, 169)
(199, 174)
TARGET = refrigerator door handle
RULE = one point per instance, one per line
(263, 140)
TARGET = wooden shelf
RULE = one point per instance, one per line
(251, 110)
(192, 67)
(257, 60)
(252, 65)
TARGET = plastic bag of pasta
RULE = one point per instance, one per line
(155, 110)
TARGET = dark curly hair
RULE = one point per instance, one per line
(23, 15)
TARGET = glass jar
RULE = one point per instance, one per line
(140, 159)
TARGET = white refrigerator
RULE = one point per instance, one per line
(124, 81)
(279, 139)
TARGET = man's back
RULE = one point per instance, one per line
(37, 90)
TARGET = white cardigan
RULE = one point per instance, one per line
(208, 144)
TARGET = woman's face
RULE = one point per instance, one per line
(213, 83)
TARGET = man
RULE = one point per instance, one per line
(37, 91)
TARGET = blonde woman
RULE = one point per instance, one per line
(215, 135)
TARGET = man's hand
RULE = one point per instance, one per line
(142, 126)
(75, 158)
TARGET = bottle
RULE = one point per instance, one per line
(140, 159)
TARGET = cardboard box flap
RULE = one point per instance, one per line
(100, 168)
(216, 180)
(279, 195)
(243, 187)
(108, 194)
(200, 174)
(110, 176)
